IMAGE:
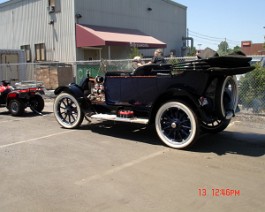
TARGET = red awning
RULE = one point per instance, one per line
(92, 36)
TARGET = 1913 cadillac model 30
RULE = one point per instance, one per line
(180, 100)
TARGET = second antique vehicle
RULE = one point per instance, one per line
(181, 100)
(16, 99)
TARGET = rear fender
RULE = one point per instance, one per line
(177, 93)
(174, 94)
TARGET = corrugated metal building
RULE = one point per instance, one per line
(74, 30)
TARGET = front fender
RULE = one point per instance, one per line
(72, 89)
(11, 95)
(76, 92)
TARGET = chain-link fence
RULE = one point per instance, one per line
(251, 86)
(252, 91)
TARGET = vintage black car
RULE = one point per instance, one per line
(180, 100)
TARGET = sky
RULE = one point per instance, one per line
(210, 22)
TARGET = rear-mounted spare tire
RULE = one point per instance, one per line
(226, 97)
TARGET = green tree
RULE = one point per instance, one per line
(223, 48)
(252, 88)
(237, 49)
(134, 52)
(191, 51)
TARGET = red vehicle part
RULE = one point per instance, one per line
(17, 100)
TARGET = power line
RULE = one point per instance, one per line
(211, 39)
(207, 39)
(206, 36)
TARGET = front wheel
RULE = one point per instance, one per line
(177, 125)
(67, 111)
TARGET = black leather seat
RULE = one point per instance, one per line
(152, 69)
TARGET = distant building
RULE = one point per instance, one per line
(250, 48)
(76, 30)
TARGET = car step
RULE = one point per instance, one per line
(115, 118)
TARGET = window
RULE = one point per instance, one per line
(40, 52)
(52, 3)
(54, 6)
(27, 51)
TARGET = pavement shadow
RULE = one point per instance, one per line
(226, 142)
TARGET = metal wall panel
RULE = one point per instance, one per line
(26, 22)
(165, 20)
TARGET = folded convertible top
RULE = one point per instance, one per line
(224, 65)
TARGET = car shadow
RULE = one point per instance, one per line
(226, 142)
(128, 131)
(33, 114)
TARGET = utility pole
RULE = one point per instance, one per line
(225, 46)
(264, 35)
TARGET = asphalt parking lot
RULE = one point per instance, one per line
(121, 167)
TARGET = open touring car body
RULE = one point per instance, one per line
(181, 100)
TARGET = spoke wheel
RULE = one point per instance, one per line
(67, 111)
(176, 125)
(215, 126)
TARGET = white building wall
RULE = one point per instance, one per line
(26, 22)
(166, 21)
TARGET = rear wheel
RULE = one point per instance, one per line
(67, 111)
(37, 103)
(177, 125)
(16, 107)
(215, 126)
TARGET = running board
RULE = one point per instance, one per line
(115, 118)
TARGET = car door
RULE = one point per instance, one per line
(130, 90)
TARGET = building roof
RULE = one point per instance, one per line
(92, 36)
(167, 1)
(250, 48)
(3, 4)
(175, 3)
